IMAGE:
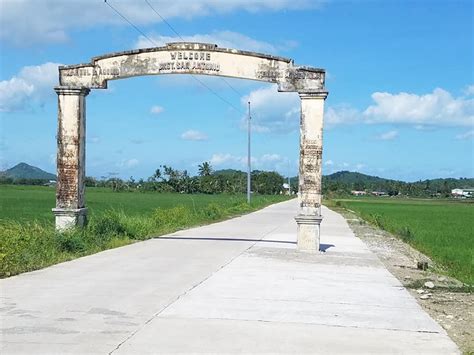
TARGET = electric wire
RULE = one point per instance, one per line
(157, 45)
(130, 23)
(182, 39)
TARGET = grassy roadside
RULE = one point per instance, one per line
(443, 230)
(27, 244)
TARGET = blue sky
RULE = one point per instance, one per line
(400, 76)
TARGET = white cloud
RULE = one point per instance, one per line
(156, 110)
(263, 162)
(272, 111)
(221, 159)
(469, 91)
(193, 135)
(388, 136)
(224, 39)
(93, 139)
(328, 162)
(437, 108)
(129, 163)
(420, 127)
(466, 135)
(341, 114)
(51, 20)
(270, 158)
(32, 83)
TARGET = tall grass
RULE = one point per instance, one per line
(27, 246)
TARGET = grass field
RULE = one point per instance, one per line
(442, 229)
(30, 203)
(28, 240)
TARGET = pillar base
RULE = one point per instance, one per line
(308, 232)
(69, 218)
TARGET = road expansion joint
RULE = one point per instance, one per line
(305, 323)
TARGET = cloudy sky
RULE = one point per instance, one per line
(400, 76)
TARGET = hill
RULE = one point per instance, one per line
(350, 177)
(26, 171)
(343, 182)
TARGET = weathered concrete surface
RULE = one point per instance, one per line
(235, 286)
(193, 58)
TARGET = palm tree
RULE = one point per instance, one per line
(205, 169)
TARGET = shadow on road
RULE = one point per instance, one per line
(228, 239)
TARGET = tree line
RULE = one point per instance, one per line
(208, 181)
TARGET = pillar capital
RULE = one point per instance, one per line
(69, 90)
(313, 95)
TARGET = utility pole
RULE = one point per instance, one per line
(289, 182)
(248, 157)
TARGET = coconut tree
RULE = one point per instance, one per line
(205, 169)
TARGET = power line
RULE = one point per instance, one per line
(131, 24)
(164, 20)
(234, 89)
(182, 39)
(157, 45)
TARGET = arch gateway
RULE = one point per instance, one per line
(76, 81)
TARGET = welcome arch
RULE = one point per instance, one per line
(76, 81)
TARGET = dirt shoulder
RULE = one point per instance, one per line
(444, 298)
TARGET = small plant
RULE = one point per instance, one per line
(378, 220)
(406, 234)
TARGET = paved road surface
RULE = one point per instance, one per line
(231, 287)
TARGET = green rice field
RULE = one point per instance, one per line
(34, 203)
(28, 240)
(442, 229)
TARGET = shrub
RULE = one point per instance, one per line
(173, 218)
(108, 224)
(212, 211)
(25, 247)
(72, 242)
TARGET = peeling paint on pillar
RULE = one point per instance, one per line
(310, 171)
(190, 58)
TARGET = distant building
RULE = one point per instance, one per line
(463, 193)
(358, 193)
(379, 193)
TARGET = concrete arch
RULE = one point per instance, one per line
(193, 58)
(76, 81)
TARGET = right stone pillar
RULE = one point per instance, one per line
(310, 170)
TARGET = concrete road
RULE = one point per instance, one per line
(232, 287)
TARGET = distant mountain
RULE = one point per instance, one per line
(26, 171)
(350, 177)
(346, 181)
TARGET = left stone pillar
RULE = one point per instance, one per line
(70, 208)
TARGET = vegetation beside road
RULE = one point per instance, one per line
(441, 229)
(28, 240)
